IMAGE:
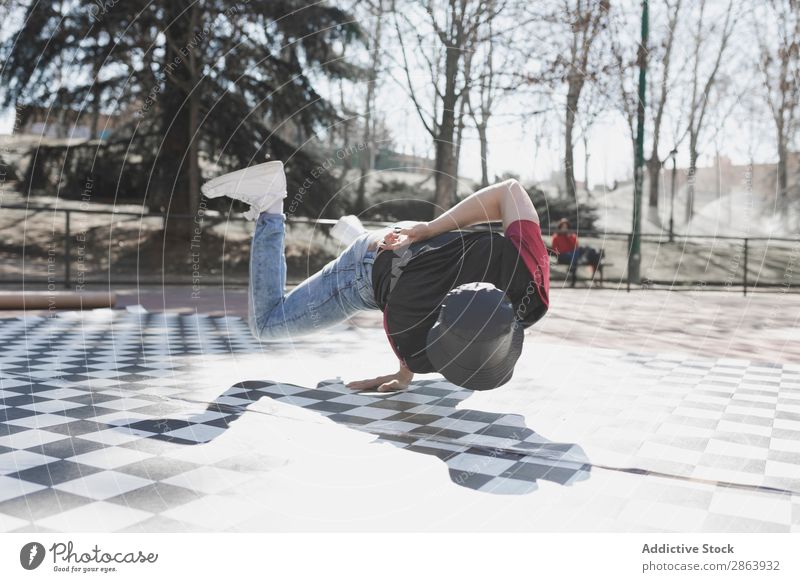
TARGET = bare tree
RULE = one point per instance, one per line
(586, 20)
(778, 34)
(464, 99)
(374, 39)
(624, 72)
(442, 34)
(485, 92)
(594, 105)
(494, 66)
(703, 79)
(659, 99)
(624, 82)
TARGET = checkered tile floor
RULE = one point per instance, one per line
(106, 418)
(721, 420)
(490, 452)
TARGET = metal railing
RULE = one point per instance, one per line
(737, 273)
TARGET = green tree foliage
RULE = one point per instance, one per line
(218, 80)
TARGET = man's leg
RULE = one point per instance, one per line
(342, 288)
(569, 260)
(267, 270)
(592, 258)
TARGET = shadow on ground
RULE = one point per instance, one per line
(485, 451)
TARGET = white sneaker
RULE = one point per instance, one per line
(261, 186)
(347, 229)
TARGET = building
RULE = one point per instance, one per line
(64, 123)
(725, 177)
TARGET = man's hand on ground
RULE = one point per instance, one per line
(389, 383)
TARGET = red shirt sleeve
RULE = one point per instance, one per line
(527, 237)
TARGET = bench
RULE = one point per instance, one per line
(572, 269)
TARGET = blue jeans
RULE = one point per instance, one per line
(569, 258)
(342, 288)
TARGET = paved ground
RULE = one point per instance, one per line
(628, 412)
(761, 326)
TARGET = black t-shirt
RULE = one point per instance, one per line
(440, 264)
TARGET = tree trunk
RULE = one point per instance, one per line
(654, 173)
(95, 122)
(173, 194)
(177, 169)
(484, 141)
(347, 160)
(459, 133)
(366, 160)
(173, 182)
(445, 174)
(95, 114)
(573, 95)
(690, 182)
(193, 201)
(586, 156)
(783, 175)
(445, 151)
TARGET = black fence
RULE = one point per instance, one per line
(72, 247)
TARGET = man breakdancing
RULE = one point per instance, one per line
(453, 302)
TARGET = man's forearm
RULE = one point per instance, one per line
(482, 206)
(506, 201)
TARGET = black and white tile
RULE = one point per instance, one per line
(100, 413)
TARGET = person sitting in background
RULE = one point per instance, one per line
(565, 245)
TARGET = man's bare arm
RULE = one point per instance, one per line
(507, 201)
(389, 383)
